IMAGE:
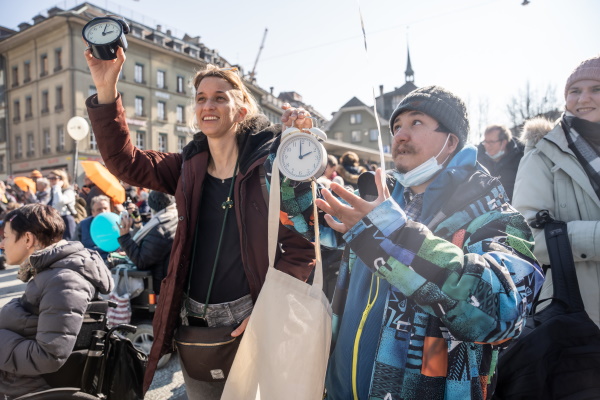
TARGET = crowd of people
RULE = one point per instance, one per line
(440, 267)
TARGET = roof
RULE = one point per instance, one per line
(354, 102)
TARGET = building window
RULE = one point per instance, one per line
(93, 143)
(44, 65)
(17, 111)
(140, 137)
(180, 84)
(138, 73)
(160, 79)
(180, 143)
(46, 141)
(59, 99)
(355, 118)
(60, 138)
(28, 107)
(18, 147)
(30, 145)
(15, 76)
(26, 71)
(45, 108)
(139, 106)
(180, 114)
(92, 90)
(356, 136)
(161, 111)
(373, 135)
(162, 142)
(2, 169)
(57, 59)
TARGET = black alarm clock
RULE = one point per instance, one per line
(104, 35)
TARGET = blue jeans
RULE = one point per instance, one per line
(217, 315)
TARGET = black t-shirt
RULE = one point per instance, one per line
(230, 281)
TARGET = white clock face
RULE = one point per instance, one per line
(302, 158)
(103, 32)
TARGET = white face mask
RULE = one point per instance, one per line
(495, 156)
(423, 172)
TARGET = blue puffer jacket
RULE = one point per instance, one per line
(422, 308)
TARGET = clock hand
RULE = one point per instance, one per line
(107, 32)
(300, 155)
(304, 155)
(105, 26)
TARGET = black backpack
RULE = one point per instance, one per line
(557, 355)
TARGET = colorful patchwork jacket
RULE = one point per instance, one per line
(421, 309)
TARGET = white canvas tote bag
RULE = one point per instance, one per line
(285, 348)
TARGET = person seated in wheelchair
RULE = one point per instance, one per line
(150, 247)
(38, 331)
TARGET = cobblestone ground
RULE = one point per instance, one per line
(167, 383)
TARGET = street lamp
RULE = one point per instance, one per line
(78, 128)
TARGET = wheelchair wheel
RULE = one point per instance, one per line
(59, 394)
(142, 339)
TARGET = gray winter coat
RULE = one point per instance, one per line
(38, 330)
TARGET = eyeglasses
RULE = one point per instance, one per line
(53, 178)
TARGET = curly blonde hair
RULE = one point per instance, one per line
(241, 94)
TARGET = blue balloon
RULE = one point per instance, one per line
(105, 231)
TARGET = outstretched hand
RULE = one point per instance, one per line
(105, 74)
(349, 214)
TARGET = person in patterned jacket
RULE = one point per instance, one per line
(436, 278)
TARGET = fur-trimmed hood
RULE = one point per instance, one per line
(258, 132)
(534, 130)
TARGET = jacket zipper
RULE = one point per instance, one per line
(361, 325)
(244, 236)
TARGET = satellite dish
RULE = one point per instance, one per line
(78, 128)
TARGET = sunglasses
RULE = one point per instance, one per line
(52, 178)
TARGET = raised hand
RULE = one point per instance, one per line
(349, 214)
(298, 117)
(105, 74)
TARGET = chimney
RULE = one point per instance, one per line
(168, 32)
(158, 28)
(381, 90)
(271, 90)
(38, 18)
(53, 11)
(23, 26)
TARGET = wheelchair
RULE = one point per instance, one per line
(87, 373)
(143, 307)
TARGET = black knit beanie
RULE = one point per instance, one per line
(440, 104)
(158, 200)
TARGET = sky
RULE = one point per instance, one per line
(486, 51)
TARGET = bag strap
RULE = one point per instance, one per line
(274, 206)
(564, 277)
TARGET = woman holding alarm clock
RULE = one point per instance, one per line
(217, 184)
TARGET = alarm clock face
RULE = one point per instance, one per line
(102, 31)
(302, 158)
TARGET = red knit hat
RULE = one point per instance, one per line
(588, 69)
